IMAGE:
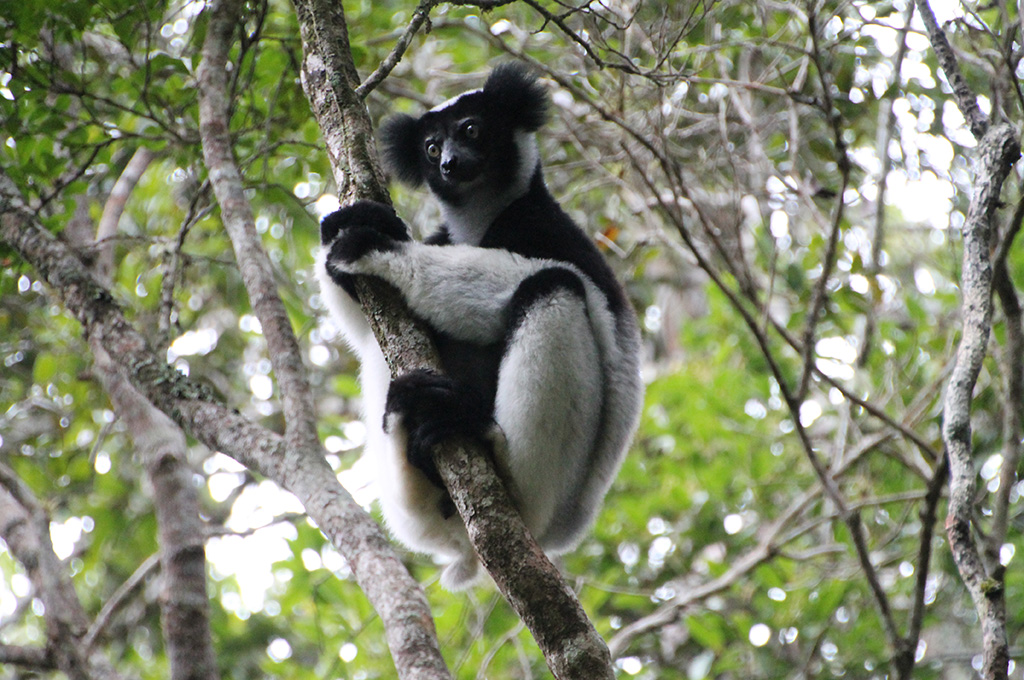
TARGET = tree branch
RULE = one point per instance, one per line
(525, 576)
(183, 600)
(886, 131)
(236, 213)
(120, 596)
(36, 658)
(393, 593)
(25, 527)
(905, 658)
(825, 477)
(161, 445)
(420, 16)
(820, 294)
(966, 100)
(1012, 361)
(113, 208)
(770, 543)
(997, 152)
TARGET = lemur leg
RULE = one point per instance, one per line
(549, 395)
(415, 505)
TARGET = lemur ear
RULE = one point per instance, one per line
(512, 91)
(399, 138)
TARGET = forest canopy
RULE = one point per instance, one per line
(813, 207)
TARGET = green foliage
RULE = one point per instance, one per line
(718, 470)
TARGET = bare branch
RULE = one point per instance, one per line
(25, 527)
(420, 16)
(329, 79)
(114, 207)
(1011, 359)
(112, 604)
(571, 34)
(886, 130)
(997, 152)
(36, 658)
(904, 658)
(393, 593)
(966, 100)
(161, 444)
(236, 212)
(825, 477)
(525, 576)
(771, 541)
(834, 119)
(670, 611)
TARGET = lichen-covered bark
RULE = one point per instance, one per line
(184, 605)
(998, 150)
(394, 594)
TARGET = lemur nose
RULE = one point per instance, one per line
(448, 165)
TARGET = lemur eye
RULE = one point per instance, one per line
(433, 150)
(471, 130)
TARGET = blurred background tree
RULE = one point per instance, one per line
(781, 185)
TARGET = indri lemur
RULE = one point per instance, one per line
(535, 333)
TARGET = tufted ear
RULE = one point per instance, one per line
(512, 91)
(400, 148)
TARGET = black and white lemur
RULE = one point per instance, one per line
(539, 342)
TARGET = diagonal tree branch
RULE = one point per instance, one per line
(112, 604)
(966, 100)
(236, 213)
(161, 444)
(397, 598)
(420, 16)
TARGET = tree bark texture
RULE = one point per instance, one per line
(966, 99)
(416, 652)
(391, 590)
(184, 604)
(236, 212)
(25, 527)
(525, 576)
(161, 445)
(998, 150)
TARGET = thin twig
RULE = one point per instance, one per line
(820, 293)
(119, 597)
(420, 16)
(905, 663)
(886, 129)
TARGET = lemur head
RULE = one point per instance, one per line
(478, 146)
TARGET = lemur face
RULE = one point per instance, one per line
(459, 148)
(471, 145)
